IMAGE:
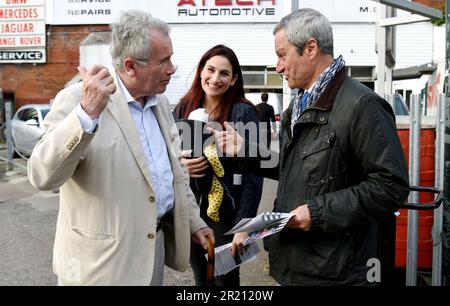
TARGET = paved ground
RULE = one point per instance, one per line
(27, 227)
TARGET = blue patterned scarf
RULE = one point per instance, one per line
(317, 90)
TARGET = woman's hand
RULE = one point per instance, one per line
(195, 166)
(238, 241)
(228, 141)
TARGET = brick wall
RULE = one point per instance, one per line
(41, 82)
(437, 4)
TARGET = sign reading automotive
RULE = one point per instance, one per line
(172, 11)
(22, 31)
(193, 11)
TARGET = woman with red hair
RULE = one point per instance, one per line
(218, 93)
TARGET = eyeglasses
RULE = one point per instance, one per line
(142, 61)
(165, 63)
(146, 62)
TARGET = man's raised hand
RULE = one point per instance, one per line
(98, 85)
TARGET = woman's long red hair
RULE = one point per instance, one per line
(195, 96)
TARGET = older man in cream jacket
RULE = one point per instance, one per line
(125, 203)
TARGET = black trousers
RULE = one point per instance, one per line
(199, 262)
(266, 131)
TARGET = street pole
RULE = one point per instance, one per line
(414, 180)
(294, 5)
(289, 93)
(446, 233)
(2, 115)
(381, 49)
(9, 142)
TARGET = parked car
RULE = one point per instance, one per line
(275, 100)
(400, 108)
(27, 127)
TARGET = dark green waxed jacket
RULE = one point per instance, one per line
(345, 161)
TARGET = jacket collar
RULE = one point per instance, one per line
(326, 100)
(324, 103)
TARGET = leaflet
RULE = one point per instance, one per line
(263, 225)
(225, 262)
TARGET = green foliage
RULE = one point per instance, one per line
(440, 21)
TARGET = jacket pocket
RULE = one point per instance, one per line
(328, 257)
(322, 143)
(92, 235)
(316, 158)
(339, 256)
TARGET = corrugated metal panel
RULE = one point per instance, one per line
(95, 55)
(414, 44)
(356, 43)
(253, 45)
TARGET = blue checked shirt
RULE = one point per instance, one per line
(153, 144)
(299, 107)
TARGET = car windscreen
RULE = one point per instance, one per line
(400, 109)
(44, 112)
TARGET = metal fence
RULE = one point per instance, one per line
(7, 150)
(2, 130)
(416, 122)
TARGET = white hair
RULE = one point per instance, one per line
(306, 23)
(131, 36)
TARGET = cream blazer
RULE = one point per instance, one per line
(106, 228)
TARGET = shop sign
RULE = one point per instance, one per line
(65, 12)
(20, 56)
(22, 31)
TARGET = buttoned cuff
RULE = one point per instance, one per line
(88, 124)
(314, 213)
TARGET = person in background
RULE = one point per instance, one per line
(342, 171)
(125, 203)
(218, 91)
(266, 116)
